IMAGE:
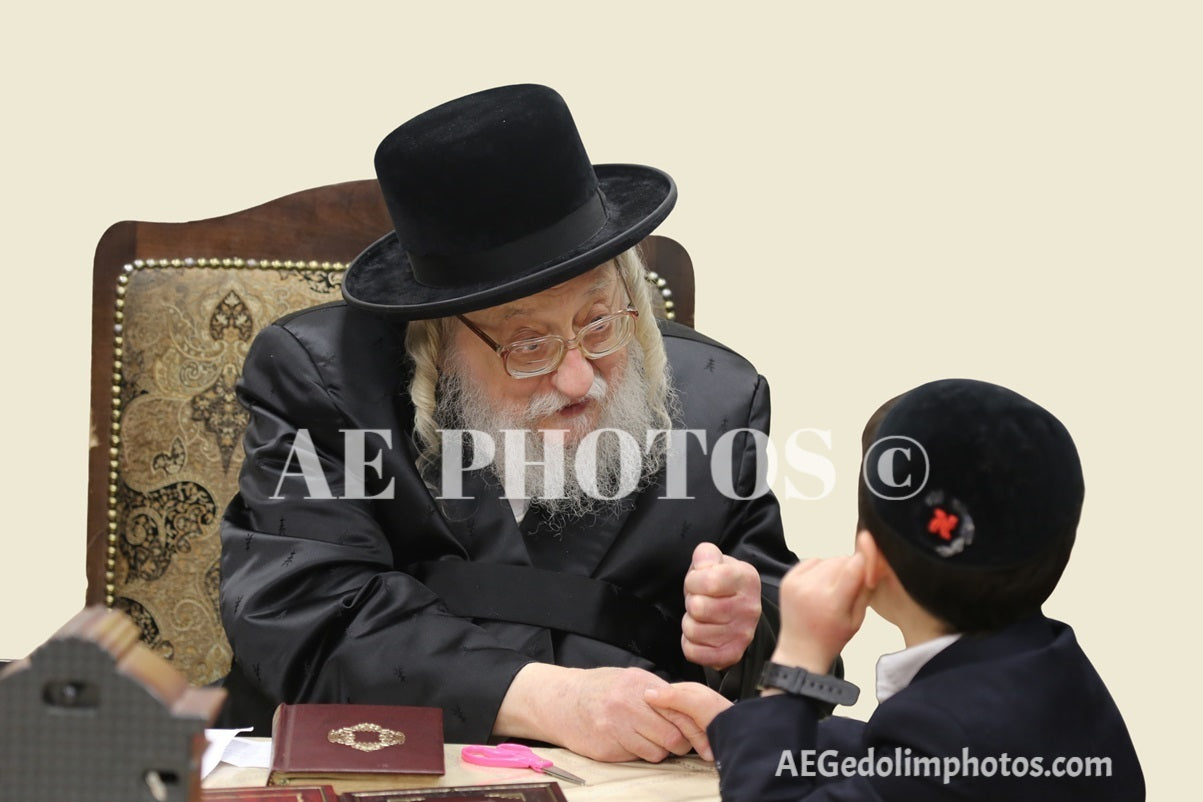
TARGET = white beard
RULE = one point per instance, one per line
(623, 405)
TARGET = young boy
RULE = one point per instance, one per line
(969, 501)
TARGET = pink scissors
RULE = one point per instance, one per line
(515, 756)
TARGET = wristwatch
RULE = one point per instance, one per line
(800, 682)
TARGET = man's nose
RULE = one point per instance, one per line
(574, 376)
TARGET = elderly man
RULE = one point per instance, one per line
(461, 489)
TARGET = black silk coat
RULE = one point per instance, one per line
(345, 600)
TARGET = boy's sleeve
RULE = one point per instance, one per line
(778, 748)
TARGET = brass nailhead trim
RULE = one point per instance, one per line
(661, 286)
(110, 567)
(118, 352)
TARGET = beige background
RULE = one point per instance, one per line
(874, 194)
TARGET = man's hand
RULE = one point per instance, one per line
(823, 605)
(601, 713)
(691, 706)
(722, 608)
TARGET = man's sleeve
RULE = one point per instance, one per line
(755, 534)
(311, 601)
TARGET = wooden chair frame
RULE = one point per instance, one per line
(318, 230)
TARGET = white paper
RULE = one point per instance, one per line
(219, 742)
(249, 754)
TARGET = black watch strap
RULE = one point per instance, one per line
(800, 682)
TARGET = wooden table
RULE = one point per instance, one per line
(678, 779)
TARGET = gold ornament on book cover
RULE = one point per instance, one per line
(379, 737)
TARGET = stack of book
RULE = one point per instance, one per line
(525, 792)
(366, 753)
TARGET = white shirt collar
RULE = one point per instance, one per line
(519, 506)
(896, 670)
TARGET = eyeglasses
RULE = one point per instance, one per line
(539, 355)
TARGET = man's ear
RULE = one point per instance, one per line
(876, 567)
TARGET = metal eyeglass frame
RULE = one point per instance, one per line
(503, 351)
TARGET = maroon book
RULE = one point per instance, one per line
(524, 792)
(293, 793)
(357, 747)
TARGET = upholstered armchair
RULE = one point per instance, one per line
(175, 307)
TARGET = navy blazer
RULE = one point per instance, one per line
(1027, 692)
(335, 600)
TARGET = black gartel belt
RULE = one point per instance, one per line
(566, 602)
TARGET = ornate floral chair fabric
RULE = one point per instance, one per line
(175, 307)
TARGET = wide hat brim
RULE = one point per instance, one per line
(636, 199)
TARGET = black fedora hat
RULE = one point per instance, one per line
(493, 198)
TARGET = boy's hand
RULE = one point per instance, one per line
(722, 608)
(822, 606)
(691, 706)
